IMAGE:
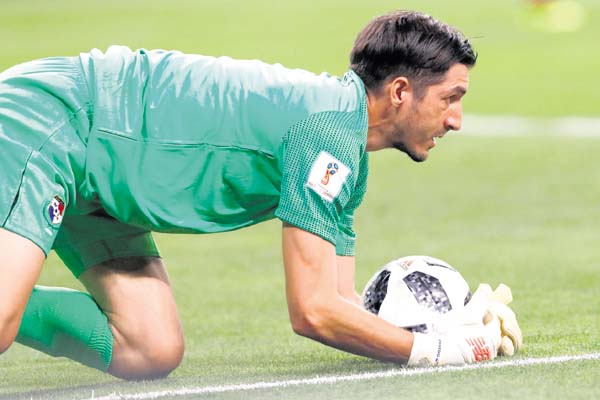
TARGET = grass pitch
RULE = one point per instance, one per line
(501, 209)
(519, 210)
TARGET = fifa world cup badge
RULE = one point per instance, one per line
(55, 210)
(327, 176)
(331, 169)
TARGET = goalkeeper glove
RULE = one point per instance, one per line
(490, 304)
(462, 345)
(512, 338)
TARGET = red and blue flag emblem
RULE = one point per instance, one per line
(56, 210)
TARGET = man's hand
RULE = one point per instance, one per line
(485, 328)
(494, 304)
(512, 338)
(460, 345)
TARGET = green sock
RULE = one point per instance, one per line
(67, 323)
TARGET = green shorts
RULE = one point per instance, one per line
(45, 116)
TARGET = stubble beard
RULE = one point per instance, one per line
(410, 153)
(412, 121)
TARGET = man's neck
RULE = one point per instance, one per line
(378, 112)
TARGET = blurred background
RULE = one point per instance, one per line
(526, 66)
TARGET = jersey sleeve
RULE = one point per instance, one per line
(39, 200)
(321, 164)
(346, 237)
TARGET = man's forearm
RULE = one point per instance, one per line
(341, 324)
(317, 310)
(346, 286)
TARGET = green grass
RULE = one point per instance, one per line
(519, 210)
(510, 210)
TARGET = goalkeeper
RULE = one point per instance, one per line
(101, 149)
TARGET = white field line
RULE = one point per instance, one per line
(398, 372)
(509, 125)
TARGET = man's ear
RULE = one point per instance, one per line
(400, 89)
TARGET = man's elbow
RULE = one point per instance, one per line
(309, 321)
(303, 327)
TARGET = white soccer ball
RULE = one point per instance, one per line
(416, 291)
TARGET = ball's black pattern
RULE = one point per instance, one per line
(428, 291)
(422, 328)
(377, 292)
(468, 297)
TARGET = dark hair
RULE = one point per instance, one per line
(411, 44)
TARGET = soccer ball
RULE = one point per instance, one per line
(416, 291)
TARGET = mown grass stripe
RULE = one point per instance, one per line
(511, 125)
(319, 380)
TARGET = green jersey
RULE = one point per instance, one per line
(101, 149)
(189, 143)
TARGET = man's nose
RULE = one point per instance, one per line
(454, 120)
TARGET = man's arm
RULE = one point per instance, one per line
(346, 284)
(317, 310)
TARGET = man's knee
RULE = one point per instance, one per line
(9, 327)
(136, 296)
(152, 357)
(8, 332)
(165, 355)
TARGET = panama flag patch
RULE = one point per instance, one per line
(56, 210)
(327, 176)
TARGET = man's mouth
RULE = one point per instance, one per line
(438, 137)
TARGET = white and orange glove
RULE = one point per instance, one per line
(486, 327)
(512, 338)
(464, 344)
(494, 304)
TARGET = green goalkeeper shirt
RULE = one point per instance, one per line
(196, 144)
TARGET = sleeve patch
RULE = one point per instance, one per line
(327, 176)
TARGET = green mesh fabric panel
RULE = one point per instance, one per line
(343, 136)
(346, 237)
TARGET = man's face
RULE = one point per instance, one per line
(423, 120)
